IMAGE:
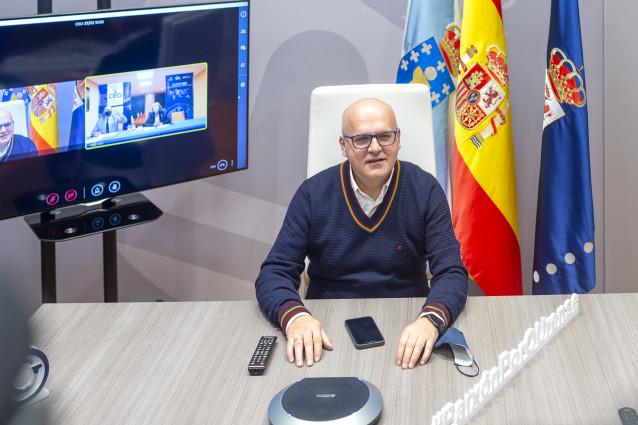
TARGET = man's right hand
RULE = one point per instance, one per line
(305, 333)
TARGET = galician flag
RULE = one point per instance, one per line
(564, 260)
(484, 205)
(430, 56)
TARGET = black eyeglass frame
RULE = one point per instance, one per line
(373, 136)
(7, 125)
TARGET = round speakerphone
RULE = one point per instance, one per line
(32, 376)
(338, 401)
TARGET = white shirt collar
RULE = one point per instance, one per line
(367, 204)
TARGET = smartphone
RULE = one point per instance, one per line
(364, 332)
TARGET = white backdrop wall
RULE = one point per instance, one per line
(215, 232)
(621, 149)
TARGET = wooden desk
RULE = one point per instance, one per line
(186, 363)
(141, 120)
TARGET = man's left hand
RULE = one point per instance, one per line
(417, 341)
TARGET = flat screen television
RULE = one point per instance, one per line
(103, 104)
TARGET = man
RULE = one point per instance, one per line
(108, 122)
(13, 146)
(368, 227)
(157, 116)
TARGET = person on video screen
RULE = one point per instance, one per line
(369, 228)
(13, 146)
(108, 122)
(157, 116)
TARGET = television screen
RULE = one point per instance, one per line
(102, 104)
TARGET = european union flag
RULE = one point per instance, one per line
(425, 64)
(564, 260)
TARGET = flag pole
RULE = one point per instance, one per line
(109, 238)
(47, 249)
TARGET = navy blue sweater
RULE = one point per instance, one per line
(23, 147)
(355, 256)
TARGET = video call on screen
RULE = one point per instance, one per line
(144, 97)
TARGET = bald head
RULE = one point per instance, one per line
(371, 165)
(366, 110)
(5, 116)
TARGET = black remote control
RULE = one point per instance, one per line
(628, 416)
(261, 355)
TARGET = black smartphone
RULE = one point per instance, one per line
(364, 332)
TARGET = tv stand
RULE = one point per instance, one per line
(75, 221)
(109, 237)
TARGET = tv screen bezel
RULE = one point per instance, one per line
(142, 11)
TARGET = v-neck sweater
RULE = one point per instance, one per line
(352, 255)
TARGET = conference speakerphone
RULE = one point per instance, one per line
(327, 401)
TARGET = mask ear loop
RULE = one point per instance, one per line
(467, 374)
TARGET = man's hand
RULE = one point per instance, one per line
(306, 333)
(418, 337)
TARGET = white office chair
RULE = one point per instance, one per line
(412, 108)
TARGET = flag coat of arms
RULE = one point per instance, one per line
(19, 93)
(76, 136)
(484, 201)
(430, 49)
(44, 117)
(564, 260)
(425, 64)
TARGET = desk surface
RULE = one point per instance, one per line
(186, 363)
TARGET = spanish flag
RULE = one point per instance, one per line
(44, 117)
(484, 206)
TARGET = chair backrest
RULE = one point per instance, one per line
(177, 116)
(412, 108)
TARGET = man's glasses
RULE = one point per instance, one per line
(7, 125)
(363, 141)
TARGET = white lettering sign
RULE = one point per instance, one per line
(509, 362)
